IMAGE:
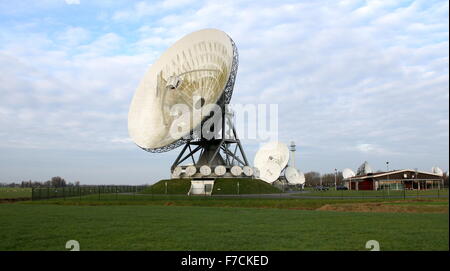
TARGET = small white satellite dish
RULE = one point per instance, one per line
(220, 170)
(364, 169)
(191, 170)
(205, 170)
(276, 152)
(302, 178)
(292, 175)
(177, 172)
(437, 170)
(236, 170)
(348, 173)
(248, 171)
(256, 172)
(270, 171)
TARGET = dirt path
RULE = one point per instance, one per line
(385, 207)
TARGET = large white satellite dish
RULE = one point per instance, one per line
(292, 175)
(276, 152)
(183, 98)
(437, 170)
(269, 172)
(348, 173)
(198, 65)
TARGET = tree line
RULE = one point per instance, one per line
(314, 178)
(53, 182)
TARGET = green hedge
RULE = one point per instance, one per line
(222, 186)
(174, 186)
(229, 186)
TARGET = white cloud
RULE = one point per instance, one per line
(74, 36)
(72, 2)
(354, 80)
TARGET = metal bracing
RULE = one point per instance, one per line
(217, 148)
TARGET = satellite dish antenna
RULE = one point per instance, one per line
(276, 152)
(364, 169)
(191, 170)
(176, 172)
(220, 170)
(270, 171)
(256, 172)
(302, 178)
(437, 170)
(205, 170)
(292, 175)
(236, 171)
(248, 171)
(175, 102)
(348, 173)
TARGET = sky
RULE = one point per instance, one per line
(354, 81)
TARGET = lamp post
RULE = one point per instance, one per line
(387, 170)
(335, 179)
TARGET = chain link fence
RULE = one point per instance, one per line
(42, 193)
(172, 191)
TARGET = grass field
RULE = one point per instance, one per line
(147, 227)
(379, 193)
(14, 192)
(427, 205)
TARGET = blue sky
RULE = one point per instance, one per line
(353, 80)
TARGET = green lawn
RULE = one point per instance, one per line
(140, 227)
(14, 192)
(202, 201)
(379, 193)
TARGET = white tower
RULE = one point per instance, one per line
(292, 149)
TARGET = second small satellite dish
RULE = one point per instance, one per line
(302, 178)
(292, 175)
(256, 172)
(348, 173)
(276, 152)
(236, 171)
(248, 171)
(205, 170)
(177, 172)
(191, 170)
(220, 170)
(437, 170)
